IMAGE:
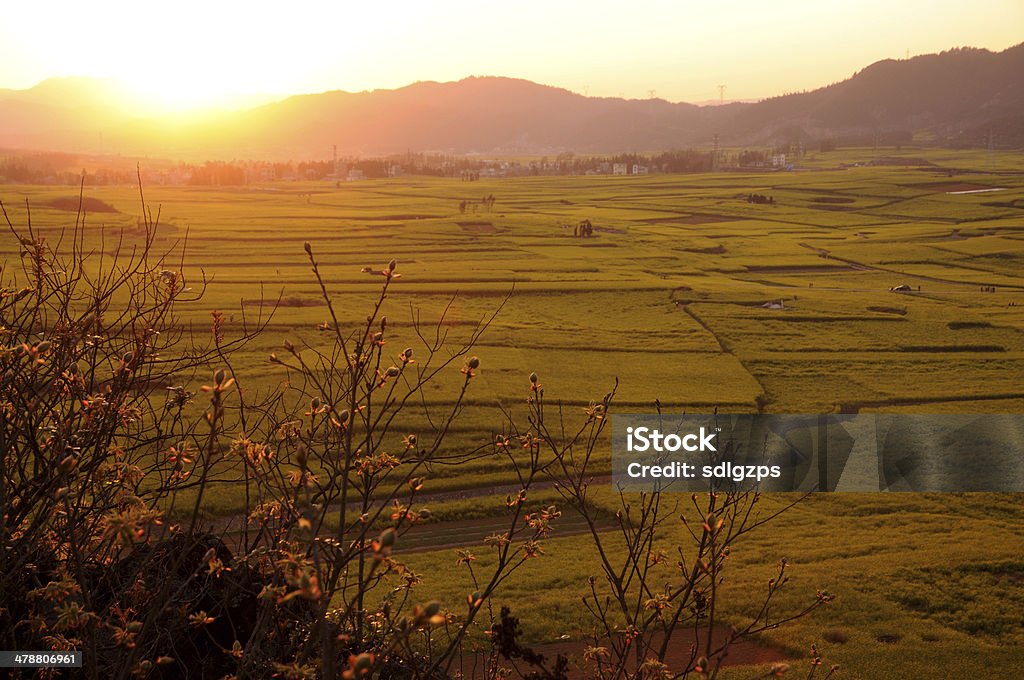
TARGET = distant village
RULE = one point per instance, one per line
(71, 169)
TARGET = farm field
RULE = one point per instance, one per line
(693, 298)
(667, 294)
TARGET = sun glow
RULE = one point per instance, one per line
(188, 55)
(179, 92)
(192, 54)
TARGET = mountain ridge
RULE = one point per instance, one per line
(952, 95)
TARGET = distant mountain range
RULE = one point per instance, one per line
(961, 96)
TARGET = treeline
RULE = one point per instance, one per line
(42, 168)
(70, 169)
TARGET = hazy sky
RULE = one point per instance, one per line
(193, 51)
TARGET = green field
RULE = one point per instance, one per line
(668, 296)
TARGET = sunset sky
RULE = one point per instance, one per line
(191, 53)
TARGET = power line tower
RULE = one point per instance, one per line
(651, 94)
(721, 94)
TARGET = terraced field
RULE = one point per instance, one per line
(693, 298)
(668, 294)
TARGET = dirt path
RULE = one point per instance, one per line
(471, 532)
(439, 535)
(747, 652)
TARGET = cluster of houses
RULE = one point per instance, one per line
(514, 169)
(343, 172)
(627, 169)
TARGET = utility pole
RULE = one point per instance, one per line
(721, 94)
(714, 156)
